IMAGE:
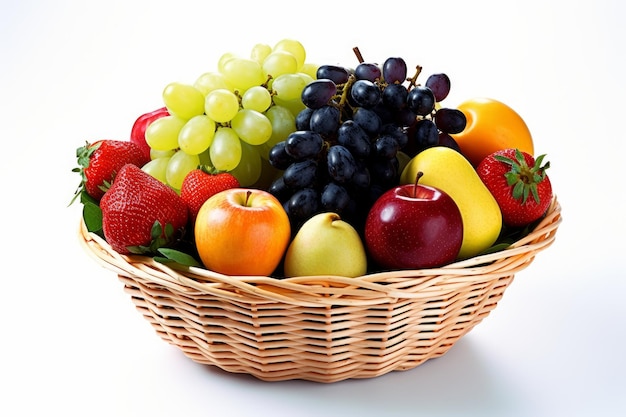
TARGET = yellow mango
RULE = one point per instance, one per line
(446, 169)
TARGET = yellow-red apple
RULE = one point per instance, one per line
(242, 231)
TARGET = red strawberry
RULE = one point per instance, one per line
(519, 184)
(133, 205)
(100, 161)
(138, 131)
(202, 183)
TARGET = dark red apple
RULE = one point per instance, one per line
(414, 226)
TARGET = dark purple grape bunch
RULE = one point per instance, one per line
(344, 153)
(434, 124)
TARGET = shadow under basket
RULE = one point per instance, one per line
(324, 328)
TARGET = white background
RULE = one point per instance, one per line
(73, 344)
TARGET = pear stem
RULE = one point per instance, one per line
(419, 175)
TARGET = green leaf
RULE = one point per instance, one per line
(173, 255)
(139, 250)
(92, 215)
(156, 230)
(496, 248)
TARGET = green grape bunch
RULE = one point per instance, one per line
(231, 117)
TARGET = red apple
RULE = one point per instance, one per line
(414, 226)
(242, 231)
(138, 131)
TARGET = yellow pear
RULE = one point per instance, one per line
(326, 245)
(451, 172)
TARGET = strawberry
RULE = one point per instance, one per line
(519, 184)
(140, 213)
(100, 161)
(138, 131)
(202, 183)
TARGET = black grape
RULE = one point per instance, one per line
(278, 156)
(421, 100)
(361, 177)
(335, 198)
(304, 144)
(318, 93)
(368, 119)
(394, 70)
(367, 71)
(341, 164)
(339, 75)
(450, 120)
(394, 96)
(386, 147)
(354, 138)
(280, 190)
(325, 120)
(303, 204)
(398, 134)
(439, 84)
(303, 119)
(301, 174)
(365, 93)
(405, 117)
(426, 134)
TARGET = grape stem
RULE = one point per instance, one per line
(345, 90)
(357, 52)
(413, 80)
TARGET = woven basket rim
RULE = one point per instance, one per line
(369, 289)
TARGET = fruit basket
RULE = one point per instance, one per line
(322, 328)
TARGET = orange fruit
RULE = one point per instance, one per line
(491, 126)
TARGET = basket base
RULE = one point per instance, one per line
(277, 342)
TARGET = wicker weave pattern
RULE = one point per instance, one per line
(323, 329)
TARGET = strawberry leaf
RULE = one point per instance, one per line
(523, 178)
(173, 255)
(83, 155)
(92, 215)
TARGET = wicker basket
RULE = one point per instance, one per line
(325, 328)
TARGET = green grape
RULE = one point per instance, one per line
(252, 126)
(155, 153)
(248, 171)
(157, 168)
(288, 86)
(260, 51)
(223, 60)
(178, 167)
(183, 100)
(306, 77)
(256, 98)
(162, 134)
(225, 151)
(295, 48)
(283, 124)
(295, 105)
(242, 73)
(221, 105)
(196, 135)
(278, 63)
(210, 81)
(310, 69)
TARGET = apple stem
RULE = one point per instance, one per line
(419, 175)
(248, 194)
